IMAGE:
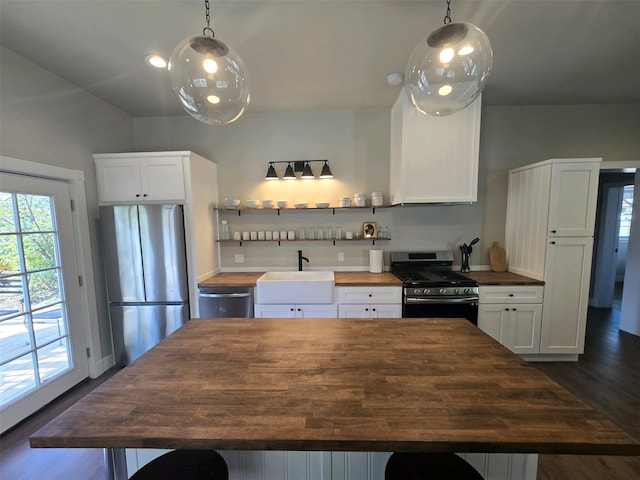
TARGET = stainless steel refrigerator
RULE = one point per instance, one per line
(145, 263)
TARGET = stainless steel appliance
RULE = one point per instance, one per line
(225, 302)
(145, 262)
(432, 289)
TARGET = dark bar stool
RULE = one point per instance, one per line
(185, 465)
(429, 466)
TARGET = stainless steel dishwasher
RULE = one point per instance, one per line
(224, 302)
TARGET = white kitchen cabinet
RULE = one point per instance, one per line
(369, 302)
(554, 198)
(492, 466)
(551, 209)
(327, 310)
(140, 177)
(516, 326)
(434, 159)
(369, 295)
(512, 315)
(374, 310)
(176, 177)
(253, 464)
(566, 298)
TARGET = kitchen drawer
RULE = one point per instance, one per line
(511, 294)
(369, 294)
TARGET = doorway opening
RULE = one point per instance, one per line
(612, 234)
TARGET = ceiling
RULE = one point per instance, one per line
(310, 55)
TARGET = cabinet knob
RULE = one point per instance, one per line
(511, 294)
(553, 243)
(554, 231)
(144, 194)
(137, 194)
(373, 309)
(299, 309)
(506, 309)
(366, 309)
(370, 295)
(514, 309)
(292, 309)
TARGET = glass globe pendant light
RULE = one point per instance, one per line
(449, 68)
(209, 78)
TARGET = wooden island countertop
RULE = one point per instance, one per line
(334, 384)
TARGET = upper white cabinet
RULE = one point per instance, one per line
(550, 199)
(139, 178)
(434, 159)
(181, 177)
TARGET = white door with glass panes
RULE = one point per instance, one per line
(42, 341)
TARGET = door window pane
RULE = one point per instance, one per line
(34, 335)
(627, 210)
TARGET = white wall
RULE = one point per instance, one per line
(630, 310)
(357, 145)
(47, 120)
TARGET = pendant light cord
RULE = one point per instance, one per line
(447, 17)
(208, 30)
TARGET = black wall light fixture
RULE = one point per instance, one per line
(303, 166)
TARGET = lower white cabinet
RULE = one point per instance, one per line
(369, 302)
(327, 310)
(278, 465)
(512, 315)
(566, 298)
(516, 326)
(374, 310)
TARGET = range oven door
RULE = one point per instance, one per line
(429, 307)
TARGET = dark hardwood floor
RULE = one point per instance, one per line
(607, 377)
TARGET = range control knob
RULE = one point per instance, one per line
(416, 291)
(457, 291)
(468, 291)
(443, 291)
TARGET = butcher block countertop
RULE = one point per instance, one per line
(501, 278)
(334, 384)
(243, 279)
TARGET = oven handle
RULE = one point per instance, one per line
(441, 300)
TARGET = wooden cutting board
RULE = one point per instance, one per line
(498, 258)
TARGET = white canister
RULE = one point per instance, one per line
(276, 235)
(359, 200)
(283, 235)
(291, 235)
(345, 201)
(260, 235)
(268, 235)
(348, 235)
(254, 235)
(237, 236)
(377, 199)
(245, 235)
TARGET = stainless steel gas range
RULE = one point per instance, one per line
(432, 289)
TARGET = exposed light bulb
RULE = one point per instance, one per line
(210, 65)
(446, 55)
(213, 99)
